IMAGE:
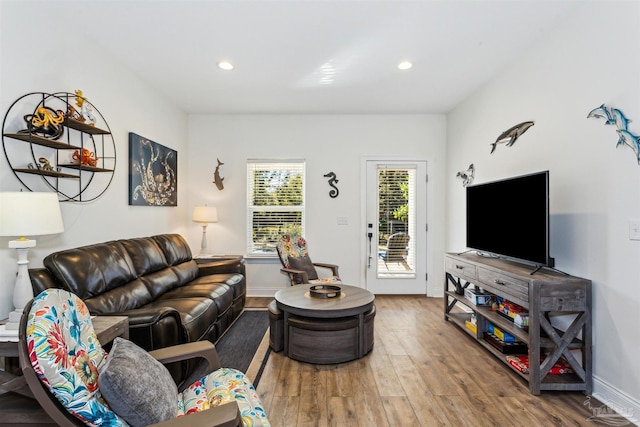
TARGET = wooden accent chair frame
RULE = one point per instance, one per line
(294, 257)
(40, 336)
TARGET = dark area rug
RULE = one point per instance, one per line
(239, 344)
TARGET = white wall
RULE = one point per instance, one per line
(37, 55)
(328, 143)
(595, 188)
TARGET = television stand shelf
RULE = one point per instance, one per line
(543, 293)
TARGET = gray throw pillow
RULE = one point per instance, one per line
(136, 386)
(303, 263)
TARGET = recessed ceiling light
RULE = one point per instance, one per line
(225, 65)
(404, 65)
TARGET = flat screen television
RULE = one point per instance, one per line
(510, 218)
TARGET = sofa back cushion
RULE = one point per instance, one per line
(151, 265)
(176, 250)
(146, 255)
(99, 274)
(178, 255)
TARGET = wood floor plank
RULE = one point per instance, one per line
(461, 413)
(516, 410)
(289, 380)
(422, 401)
(339, 383)
(283, 411)
(313, 398)
(399, 411)
(343, 411)
(422, 371)
(386, 379)
(370, 410)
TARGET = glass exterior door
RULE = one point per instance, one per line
(396, 227)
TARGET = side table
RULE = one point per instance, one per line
(16, 400)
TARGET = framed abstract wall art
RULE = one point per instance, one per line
(153, 173)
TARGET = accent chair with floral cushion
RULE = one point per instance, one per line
(294, 256)
(126, 386)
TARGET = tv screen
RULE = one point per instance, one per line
(510, 218)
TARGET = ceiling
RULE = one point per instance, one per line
(314, 56)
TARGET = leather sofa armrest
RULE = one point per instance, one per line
(332, 267)
(206, 268)
(227, 415)
(153, 328)
(41, 279)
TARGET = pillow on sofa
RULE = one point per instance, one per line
(136, 386)
(303, 263)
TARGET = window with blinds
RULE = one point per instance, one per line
(275, 203)
(397, 215)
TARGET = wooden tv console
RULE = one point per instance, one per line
(544, 293)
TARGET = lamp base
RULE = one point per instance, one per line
(13, 323)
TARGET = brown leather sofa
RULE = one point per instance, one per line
(168, 297)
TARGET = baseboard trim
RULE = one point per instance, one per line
(624, 405)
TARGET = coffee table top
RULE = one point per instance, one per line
(352, 301)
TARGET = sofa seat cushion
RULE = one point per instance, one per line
(198, 290)
(198, 315)
(221, 295)
(129, 296)
(236, 282)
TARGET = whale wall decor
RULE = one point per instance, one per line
(511, 135)
(614, 116)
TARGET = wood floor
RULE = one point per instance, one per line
(422, 371)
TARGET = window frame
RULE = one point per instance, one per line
(272, 165)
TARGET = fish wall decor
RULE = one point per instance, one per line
(467, 176)
(511, 135)
(217, 179)
(614, 116)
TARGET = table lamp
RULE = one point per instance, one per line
(204, 215)
(26, 214)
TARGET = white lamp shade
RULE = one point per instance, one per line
(30, 214)
(205, 214)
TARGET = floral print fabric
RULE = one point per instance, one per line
(296, 246)
(291, 246)
(65, 354)
(223, 386)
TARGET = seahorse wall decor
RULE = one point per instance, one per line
(614, 116)
(332, 183)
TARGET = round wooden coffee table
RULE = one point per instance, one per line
(326, 330)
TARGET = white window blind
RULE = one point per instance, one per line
(397, 206)
(275, 202)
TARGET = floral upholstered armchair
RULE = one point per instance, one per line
(78, 383)
(296, 263)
